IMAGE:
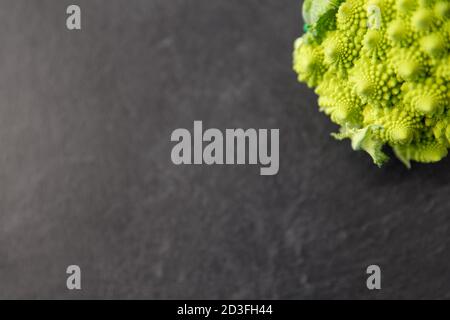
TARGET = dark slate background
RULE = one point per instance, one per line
(86, 176)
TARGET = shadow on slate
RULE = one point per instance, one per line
(86, 176)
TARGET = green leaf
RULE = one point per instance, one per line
(320, 17)
(402, 155)
(314, 9)
(364, 139)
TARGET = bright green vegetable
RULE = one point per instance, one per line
(381, 69)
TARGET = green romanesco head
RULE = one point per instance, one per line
(381, 69)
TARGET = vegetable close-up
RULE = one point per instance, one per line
(381, 69)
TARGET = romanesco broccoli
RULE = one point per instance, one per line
(381, 69)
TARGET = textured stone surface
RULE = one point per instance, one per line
(86, 176)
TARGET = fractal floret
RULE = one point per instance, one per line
(381, 69)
